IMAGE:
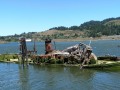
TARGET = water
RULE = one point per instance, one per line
(15, 77)
(100, 47)
(53, 77)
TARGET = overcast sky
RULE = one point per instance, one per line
(18, 16)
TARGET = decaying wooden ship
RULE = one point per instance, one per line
(77, 54)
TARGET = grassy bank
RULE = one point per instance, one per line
(8, 57)
(100, 64)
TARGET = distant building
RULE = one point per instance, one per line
(28, 40)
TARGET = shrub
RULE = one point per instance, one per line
(2, 57)
(52, 61)
(59, 61)
(92, 61)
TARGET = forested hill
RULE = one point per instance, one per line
(110, 26)
(107, 27)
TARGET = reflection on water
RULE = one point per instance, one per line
(24, 77)
(53, 77)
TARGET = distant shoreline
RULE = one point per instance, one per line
(114, 37)
(2, 42)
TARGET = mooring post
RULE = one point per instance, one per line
(23, 50)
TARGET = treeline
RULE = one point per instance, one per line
(65, 28)
(110, 26)
(15, 37)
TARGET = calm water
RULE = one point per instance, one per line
(15, 77)
(100, 47)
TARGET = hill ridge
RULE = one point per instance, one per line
(92, 28)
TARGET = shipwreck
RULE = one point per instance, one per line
(78, 54)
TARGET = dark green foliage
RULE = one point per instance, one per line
(52, 61)
(7, 57)
(48, 60)
(74, 28)
(59, 61)
(2, 57)
(111, 58)
(110, 19)
(104, 65)
(92, 61)
(59, 28)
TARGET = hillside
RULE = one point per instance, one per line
(94, 29)
(113, 22)
(110, 26)
(58, 34)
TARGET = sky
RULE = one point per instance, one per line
(19, 16)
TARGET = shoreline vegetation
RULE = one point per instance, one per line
(101, 63)
(113, 37)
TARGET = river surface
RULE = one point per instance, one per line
(100, 47)
(55, 77)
